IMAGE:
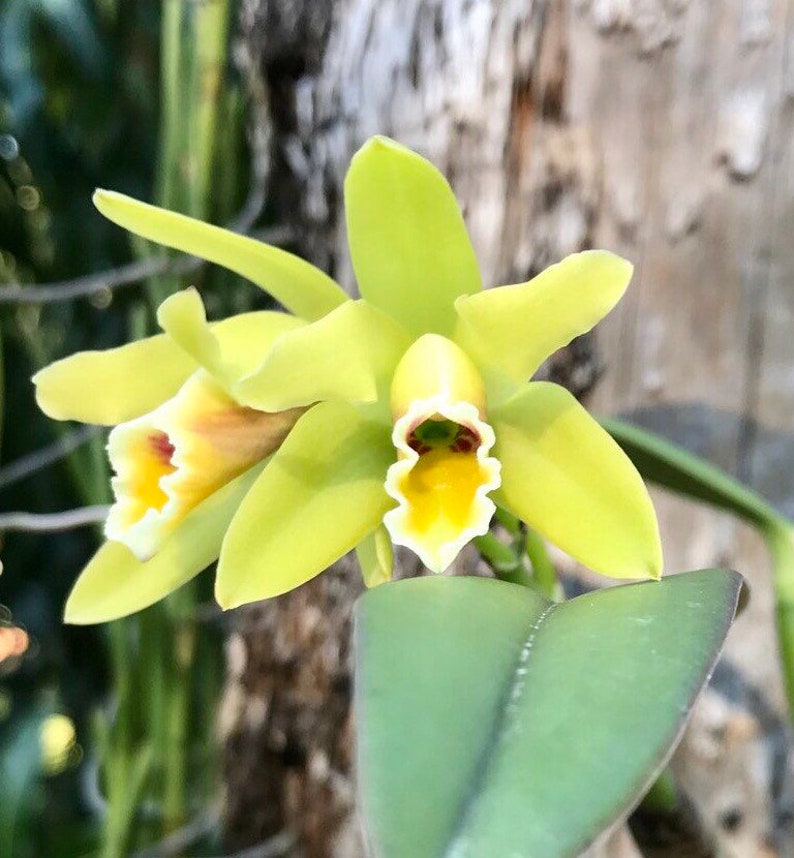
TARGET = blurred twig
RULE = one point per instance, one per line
(53, 521)
(26, 466)
(177, 842)
(276, 847)
(135, 272)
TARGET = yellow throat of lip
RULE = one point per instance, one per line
(443, 472)
(171, 459)
(441, 480)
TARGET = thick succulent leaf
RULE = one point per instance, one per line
(411, 252)
(112, 386)
(298, 285)
(566, 477)
(517, 327)
(321, 495)
(675, 468)
(115, 583)
(493, 722)
(350, 354)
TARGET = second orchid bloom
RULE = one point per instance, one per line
(278, 442)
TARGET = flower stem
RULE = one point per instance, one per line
(543, 570)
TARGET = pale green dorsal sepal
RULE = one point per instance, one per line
(183, 318)
(410, 249)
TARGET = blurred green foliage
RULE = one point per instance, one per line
(85, 102)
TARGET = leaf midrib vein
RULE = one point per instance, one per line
(509, 702)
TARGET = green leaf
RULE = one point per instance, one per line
(298, 285)
(675, 468)
(495, 723)
(20, 766)
(411, 252)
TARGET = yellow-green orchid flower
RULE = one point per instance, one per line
(402, 417)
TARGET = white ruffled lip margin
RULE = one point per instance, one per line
(438, 556)
(145, 535)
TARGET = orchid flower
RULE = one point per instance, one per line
(278, 443)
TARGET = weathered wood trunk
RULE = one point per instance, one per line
(658, 129)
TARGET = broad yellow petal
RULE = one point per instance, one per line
(376, 557)
(295, 283)
(411, 252)
(517, 327)
(112, 386)
(319, 497)
(566, 477)
(350, 354)
(115, 583)
(117, 385)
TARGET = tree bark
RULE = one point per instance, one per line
(557, 123)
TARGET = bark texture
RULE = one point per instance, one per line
(659, 129)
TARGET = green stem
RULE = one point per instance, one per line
(543, 570)
(210, 30)
(780, 541)
(504, 560)
(677, 469)
(663, 794)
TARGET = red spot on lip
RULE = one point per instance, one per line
(161, 446)
(466, 441)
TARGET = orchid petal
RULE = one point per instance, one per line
(183, 318)
(566, 477)
(246, 338)
(133, 379)
(411, 252)
(295, 283)
(319, 497)
(115, 583)
(112, 386)
(376, 557)
(350, 354)
(517, 327)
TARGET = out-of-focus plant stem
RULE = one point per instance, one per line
(669, 465)
(193, 60)
(780, 541)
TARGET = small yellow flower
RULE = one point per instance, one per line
(406, 416)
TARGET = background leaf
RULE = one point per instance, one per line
(494, 722)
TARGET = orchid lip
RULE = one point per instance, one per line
(171, 459)
(441, 479)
